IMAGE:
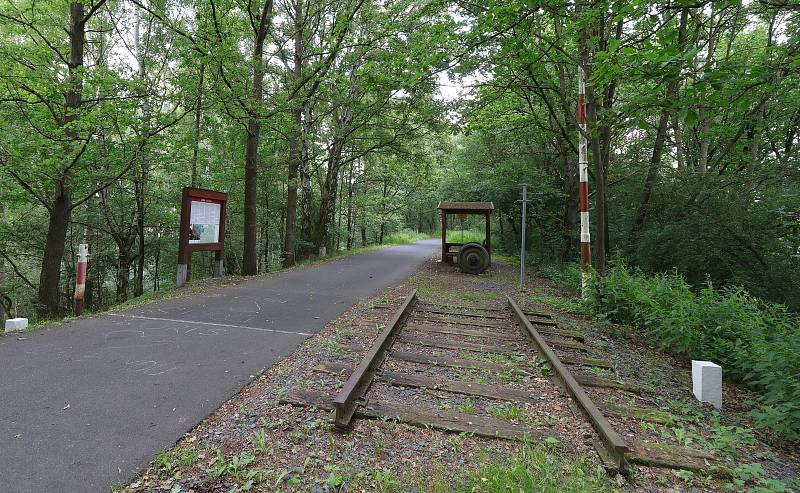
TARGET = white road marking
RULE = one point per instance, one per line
(261, 329)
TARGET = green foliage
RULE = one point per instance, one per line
(728, 235)
(537, 468)
(457, 235)
(233, 466)
(750, 479)
(506, 411)
(756, 343)
(567, 276)
(403, 237)
(384, 481)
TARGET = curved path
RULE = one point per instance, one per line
(87, 404)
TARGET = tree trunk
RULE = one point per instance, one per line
(50, 278)
(61, 204)
(677, 132)
(652, 170)
(123, 273)
(267, 244)
(249, 258)
(350, 207)
(306, 247)
(157, 263)
(671, 95)
(295, 145)
(250, 250)
(2, 276)
(571, 206)
(383, 212)
(338, 206)
(141, 183)
(327, 206)
(138, 287)
(702, 111)
(599, 182)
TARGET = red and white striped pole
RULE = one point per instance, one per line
(583, 186)
(80, 277)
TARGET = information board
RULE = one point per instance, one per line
(204, 221)
(202, 229)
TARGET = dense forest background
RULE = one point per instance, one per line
(334, 124)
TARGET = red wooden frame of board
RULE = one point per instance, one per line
(185, 248)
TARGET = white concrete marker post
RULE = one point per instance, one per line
(16, 324)
(707, 382)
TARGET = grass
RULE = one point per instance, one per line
(506, 411)
(564, 304)
(538, 468)
(465, 236)
(466, 407)
(404, 237)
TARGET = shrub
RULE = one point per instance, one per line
(758, 344)
(567, 276)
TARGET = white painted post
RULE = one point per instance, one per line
(80, 278)
(16, 324)
(181, 273)
(707, 382)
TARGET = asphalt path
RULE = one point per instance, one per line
(87, 404)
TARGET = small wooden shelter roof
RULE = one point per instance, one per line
(477, 207)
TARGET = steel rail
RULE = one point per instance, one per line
(357, 385)
(617, 446)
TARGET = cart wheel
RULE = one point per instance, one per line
(473, 258)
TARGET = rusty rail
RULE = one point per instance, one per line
(356, 386)
(617, 446)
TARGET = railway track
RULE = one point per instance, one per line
(432, 346)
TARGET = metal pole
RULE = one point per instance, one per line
(583, 190)
(80, 278)
(522, 242)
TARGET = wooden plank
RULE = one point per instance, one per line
(554, 341)
(460, 314)
(461, 307)
(593, 381)
(578, 361)
(453, 421)
(532, 313)
(444, 329)
(573, 334)
(425, 416)
(472, 323)
(356, 386)
(469, 364)
(469, 346)
(667, 456)
(307, 398)
(616, 445)
(498, 392)
(547, 322)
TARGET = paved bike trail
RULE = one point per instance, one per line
(87, 404)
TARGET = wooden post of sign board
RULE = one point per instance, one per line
(185, 247)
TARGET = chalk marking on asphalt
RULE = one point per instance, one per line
(261, 329)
